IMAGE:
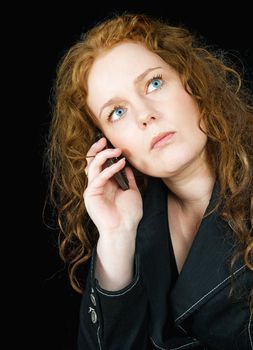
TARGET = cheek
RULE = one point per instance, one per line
(131, 151)
(184, 105)
(140, 164)
(126, 143)
(119, 139)
(134, 153)
(192, 137)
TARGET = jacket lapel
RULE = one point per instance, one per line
(207, 266)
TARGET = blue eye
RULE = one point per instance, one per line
(117, 113)
(154, 84)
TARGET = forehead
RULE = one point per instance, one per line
(125, 57)
(118, 67)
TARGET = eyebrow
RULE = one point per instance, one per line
(140, 77)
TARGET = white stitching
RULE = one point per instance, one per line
(116, 295)
(157, 346)
(92, 265)
(99, 343)
(179, 347)
(250, 338)
(182, 328)
(209, 293)
(127, 290)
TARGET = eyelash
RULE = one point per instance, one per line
(158, 76)
(112, 111)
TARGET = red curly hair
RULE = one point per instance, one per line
(225, 111)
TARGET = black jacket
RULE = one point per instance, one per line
(161, 311)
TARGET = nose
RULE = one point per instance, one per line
(146, 114)
(148, 119)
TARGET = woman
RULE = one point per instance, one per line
(166, 262)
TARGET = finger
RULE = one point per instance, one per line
(94, 149)
(102, 179)
(97, 165)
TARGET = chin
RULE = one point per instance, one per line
(174, 167)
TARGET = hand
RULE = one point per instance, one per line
(116, 213)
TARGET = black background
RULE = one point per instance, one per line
(48, 34)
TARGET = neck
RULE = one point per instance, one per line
(192, 188)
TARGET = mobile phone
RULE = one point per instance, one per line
(120, 176)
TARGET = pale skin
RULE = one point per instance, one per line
(143, 96)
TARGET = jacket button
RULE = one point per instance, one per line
(93, 315)
(93, 300)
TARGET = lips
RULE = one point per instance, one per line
(161, 139)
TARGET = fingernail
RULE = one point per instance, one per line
(97, 142)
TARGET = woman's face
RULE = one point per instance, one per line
(143, 108)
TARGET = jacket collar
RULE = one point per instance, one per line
(207, 267)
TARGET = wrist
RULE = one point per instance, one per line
(118, 239)
(114, 266)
